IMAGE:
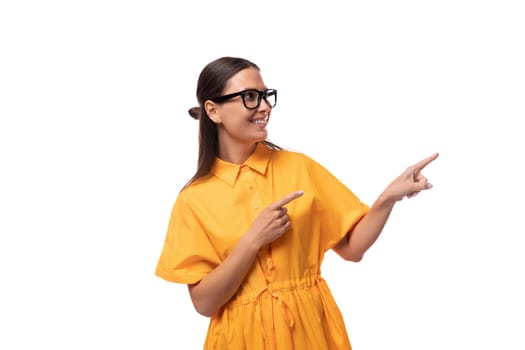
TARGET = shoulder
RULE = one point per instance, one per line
(290, 156)
(195, 189)
(293, 159)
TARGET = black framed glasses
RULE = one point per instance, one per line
(251, 98)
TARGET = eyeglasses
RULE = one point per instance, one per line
(251, 98)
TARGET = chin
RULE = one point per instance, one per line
(262, 138)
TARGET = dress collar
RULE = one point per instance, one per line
(228, 172)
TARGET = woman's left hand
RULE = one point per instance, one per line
(410, 182)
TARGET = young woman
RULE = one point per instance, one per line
(249, 231)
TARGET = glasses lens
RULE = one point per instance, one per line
(251, 98)
(271, 97)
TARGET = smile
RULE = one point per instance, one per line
(262, 121)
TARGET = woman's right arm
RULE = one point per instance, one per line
(221, 284)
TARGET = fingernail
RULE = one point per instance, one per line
(429, 185)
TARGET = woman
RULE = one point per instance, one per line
(249, 231)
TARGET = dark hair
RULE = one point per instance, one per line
(212, 82)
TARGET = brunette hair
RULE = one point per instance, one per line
(212, 82)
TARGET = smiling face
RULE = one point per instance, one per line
(239, 128)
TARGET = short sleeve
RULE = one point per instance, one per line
(188, 255)
(339, 209)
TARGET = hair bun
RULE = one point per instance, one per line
(195, 113)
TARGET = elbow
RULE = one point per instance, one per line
(349, 255)
(202, 310)
(354, 257)
(200, 304)
(202, 307)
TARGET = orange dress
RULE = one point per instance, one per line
(283, 303)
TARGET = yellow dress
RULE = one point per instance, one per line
(283, 303)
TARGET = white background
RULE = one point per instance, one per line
(95, 143)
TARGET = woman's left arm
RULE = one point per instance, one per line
(354, 245)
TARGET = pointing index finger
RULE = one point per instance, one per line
(287, 199)
(423, 163)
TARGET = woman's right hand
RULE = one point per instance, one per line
(221, 284)
(272, 222)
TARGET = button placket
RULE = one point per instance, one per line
(254, 193)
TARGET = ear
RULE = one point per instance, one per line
(212, 111)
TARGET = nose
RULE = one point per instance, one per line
(264, 106)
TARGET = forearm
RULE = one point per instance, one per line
(221, 284)
(367, 230)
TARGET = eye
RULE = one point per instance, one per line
(251, 95)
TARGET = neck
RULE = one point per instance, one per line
(236, 154)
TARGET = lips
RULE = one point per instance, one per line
(260, 121)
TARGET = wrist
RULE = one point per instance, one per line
(387, 199)
(249, 243)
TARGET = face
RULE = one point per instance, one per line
(237, 125)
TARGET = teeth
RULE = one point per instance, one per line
(261, 121)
